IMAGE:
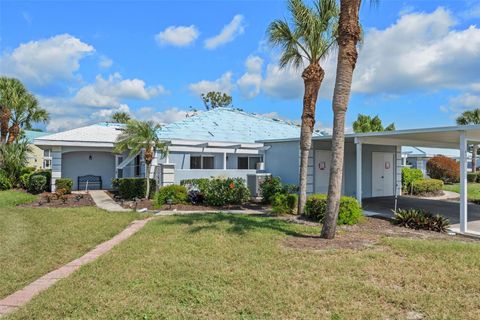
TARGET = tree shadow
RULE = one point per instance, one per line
(238, 224)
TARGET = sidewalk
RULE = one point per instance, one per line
(103, 201)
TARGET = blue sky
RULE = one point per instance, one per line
(418, 66)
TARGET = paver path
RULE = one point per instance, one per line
(103, 200)
(21, 297)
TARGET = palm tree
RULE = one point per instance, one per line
(19, 109)
(471, 117)
(349, 33)
(306, 40)
(14, 157)
(138, 136)
(366, 123)
(121, 117)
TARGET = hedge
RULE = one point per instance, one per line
(350, 211)
(409, 175)
(284, 203)
(178, 194)
(473, 177)
(218, 191)
(44, 173)
(65, 184)
(444, 168)
(131, 188)
(427, 186)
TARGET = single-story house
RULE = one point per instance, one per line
(219, 142)
(417, 157)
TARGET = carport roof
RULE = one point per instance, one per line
(439, 137)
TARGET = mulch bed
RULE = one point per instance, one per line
(363, 235)
(49, 200)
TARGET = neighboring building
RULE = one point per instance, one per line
(219, 142)
(37, 158)
(417, 157)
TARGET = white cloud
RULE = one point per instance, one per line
(105, 62)
(250, 82)
(462, 102)
(109, 92)
(166, 116)
(66, 123)
(229, 32)
(180, 36)
(222, 84)
(44, 61)
(283, 83)
(421, 51)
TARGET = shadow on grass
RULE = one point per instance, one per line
(239, 224)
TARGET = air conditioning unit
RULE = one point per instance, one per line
(253, 182)
(261, 166)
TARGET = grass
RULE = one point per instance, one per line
(35, 241)
(220, 266)
(473, 190)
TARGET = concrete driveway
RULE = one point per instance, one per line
(447, 208)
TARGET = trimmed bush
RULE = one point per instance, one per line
(284, 203)
(472, 177)
(199, 184)
(24, 180)
(427, 186)
(178, 194)
(131, 188)
(220, 192)
(350, 210)
(419, 219)
(409, 175)
(37, 183)
(270, 187)
(5, 183)
(444, 168)
(65, 184)
(44, 173)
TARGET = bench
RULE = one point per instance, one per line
(90, 182)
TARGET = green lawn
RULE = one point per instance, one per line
(34, 241)
(221, 266)
(473, 189)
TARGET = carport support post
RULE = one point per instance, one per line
(358, 192)
(463, 183)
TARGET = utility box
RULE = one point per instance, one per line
(254, 181)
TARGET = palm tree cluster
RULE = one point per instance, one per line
(366, 123)
(306, 40)
(19, 109)
(138, 136)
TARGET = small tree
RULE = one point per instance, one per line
(138, 136)
(121, 117)
(214, 99)
(444, 168)
(366, 123)
(13, 158)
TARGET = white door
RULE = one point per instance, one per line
(382, 174)
(322, 170)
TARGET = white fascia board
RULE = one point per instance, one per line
(406, 142)
(40, 142)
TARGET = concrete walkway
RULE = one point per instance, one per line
(103, 201)
(17, 299)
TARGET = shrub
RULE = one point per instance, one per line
(472, 177)
(220, 191)
(131, 188)
(195, 183)
(64, 183)
(284, 203)
(444, 168)
(419, 219)
(5, 183)
(409, 175)
(349, 213)
(178, 194)
(24, 179)
(427, 186)
(44, 173)
(270, 187)
(28, 170)
(37, 183)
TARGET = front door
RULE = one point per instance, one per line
(382, 174)
(322, 170)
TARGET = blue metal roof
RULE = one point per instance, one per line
(32, 135)
(227, 124)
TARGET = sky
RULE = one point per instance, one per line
(418, 66)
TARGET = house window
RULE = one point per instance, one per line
(248, 162)
(196, 162)
(47, 153)
(207, 162)
(137, 165)
(202, 162)
(47, 164)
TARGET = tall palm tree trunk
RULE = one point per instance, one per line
(5, 114)
(474, 157)
(349, 34)
(312, 78)
(13, 133)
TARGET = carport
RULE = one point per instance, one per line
(454, 137)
